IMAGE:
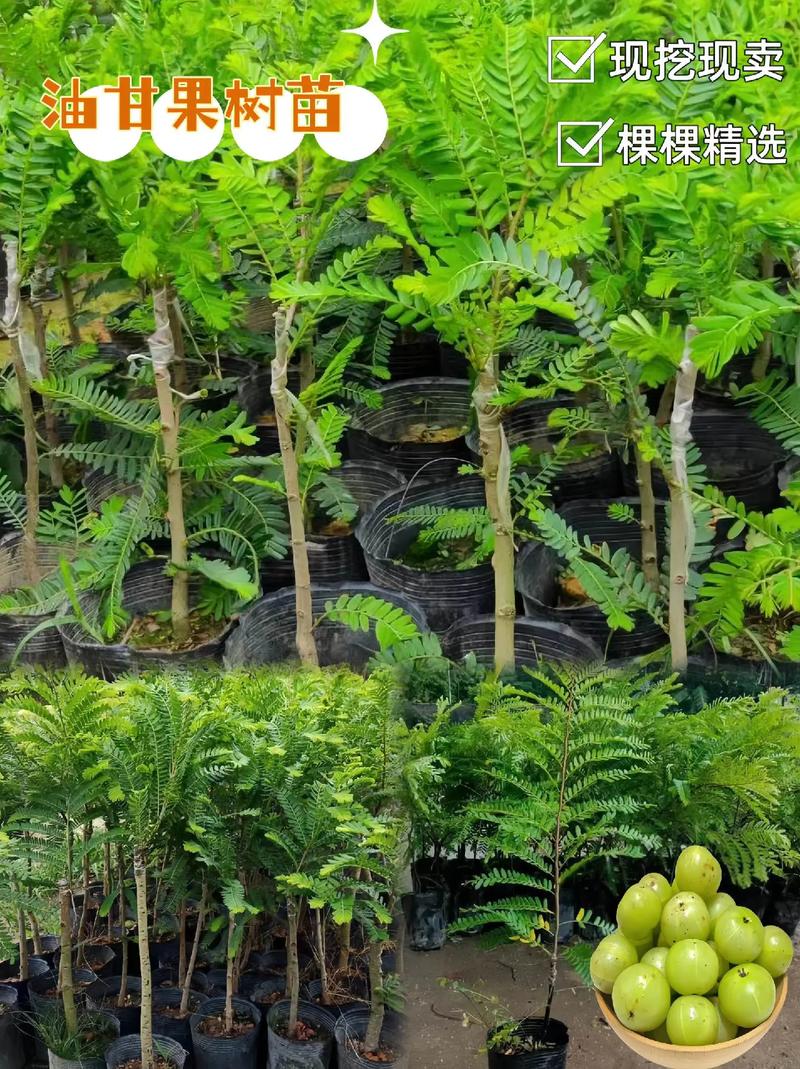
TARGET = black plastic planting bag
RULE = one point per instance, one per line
(285, 1053)
(145, 589)
(44, 647)
(12, 1054)
(350, 1032)
(446, 595)
(130, 1047)
(553, 1058)
(266, 631)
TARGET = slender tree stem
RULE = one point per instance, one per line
(50, 418)
(496, 477)
(187, 980)
(319, 930)
(69, 296)
(304, 635)
(377, 1008)
(182, 943)
(123, 983)
(344, 946)
(36, 935)
(292, 967)
(681, 518)
(66, 983)
(647, 514)
(22, 936)
(146, 1027)
(162, 353)
(231, 958)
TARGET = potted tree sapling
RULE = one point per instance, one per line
(539, 831)
(159, 769)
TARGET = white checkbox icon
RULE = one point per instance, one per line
(558, 63)
(591, 151)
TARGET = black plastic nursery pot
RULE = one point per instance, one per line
(12, 1050)
(266, 631)
(312, 1053)
(103, 995)
(43, 992)
(263, 991)
(129, 1047)
(551, 1055)
(446, 595)
(534, 640)
(425, 712)
(355, 998)
(414, 355)
(166, 1003)
(9, 977)
(419, 428)
(539, 567)
(49, 946)
(220, 1052)
(596, 475)
(145, 589)
(100, 486)
(44, 648)
(335, 557)
(741, 458)
(427, 914)
(350, 1032)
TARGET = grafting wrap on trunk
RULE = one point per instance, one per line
(682, 532)
(27, 362)
(496, 474)
(162, 353)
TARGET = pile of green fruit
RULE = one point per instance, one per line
(686, 964)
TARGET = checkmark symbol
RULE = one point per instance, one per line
(575, 65)
(584, 150)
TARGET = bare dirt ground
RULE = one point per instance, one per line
(439, 1040)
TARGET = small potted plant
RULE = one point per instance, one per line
(552, 818)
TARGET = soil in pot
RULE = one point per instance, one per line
(216, 1048)
(154, 632)
(312, 1042)
(350, 1034)
(214, 1027)
(419, 427)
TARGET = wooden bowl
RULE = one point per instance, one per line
(673, 1057)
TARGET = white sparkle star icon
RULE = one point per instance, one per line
(375, 30)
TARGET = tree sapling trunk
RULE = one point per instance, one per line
(187, 980)
(146, 1027)
(377, 1008)
(14, 329)
(162, 353)
(123, 982)
(292, 966)
(304, 636)
(50, 418)
(681, 518)
(319, 930)
(66, 985)
(68, 295)
(496, 477)
(231, 959)
(647, 519)
(344, 946)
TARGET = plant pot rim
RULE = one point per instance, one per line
(682, 1057)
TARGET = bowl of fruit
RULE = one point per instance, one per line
(690, 980)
